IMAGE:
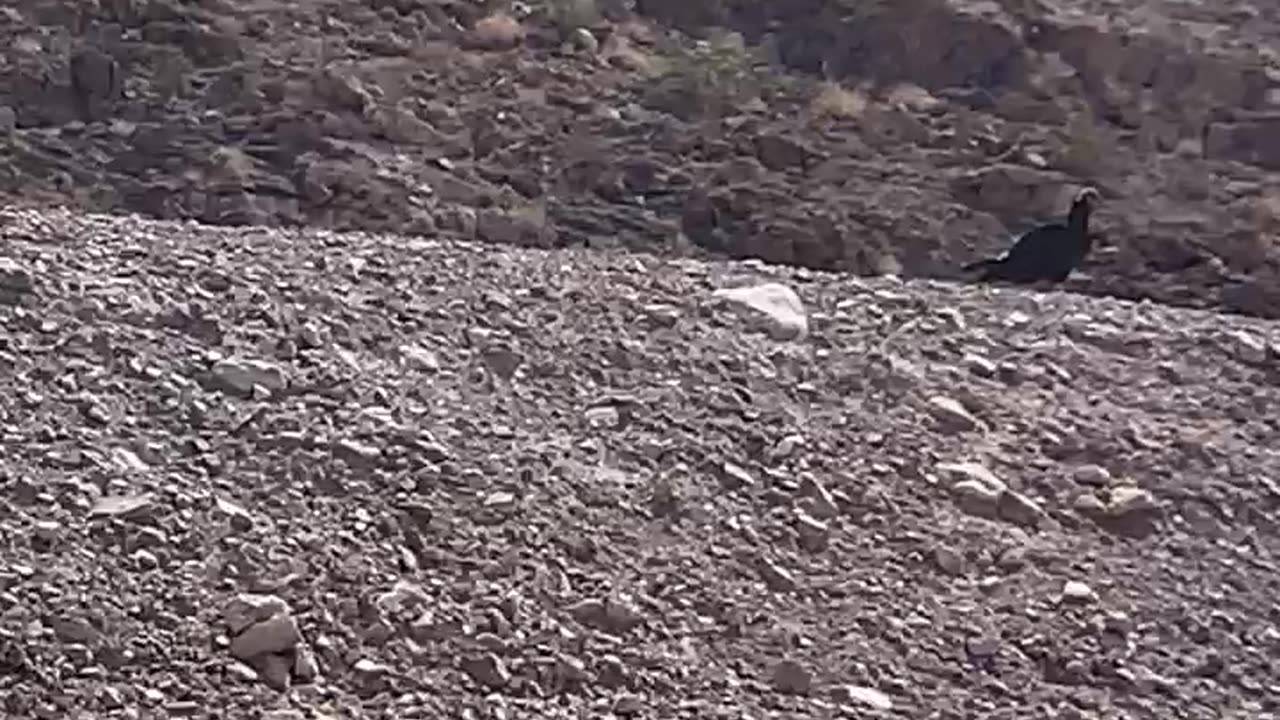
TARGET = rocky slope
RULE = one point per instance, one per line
(941, 126)
(301, 474)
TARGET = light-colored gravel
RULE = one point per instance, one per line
(253, 473)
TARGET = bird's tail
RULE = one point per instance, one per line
(984, 264)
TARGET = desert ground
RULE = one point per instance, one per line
(569, 359)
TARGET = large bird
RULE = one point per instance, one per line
(1046, 253)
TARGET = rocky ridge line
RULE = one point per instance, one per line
(948, 126)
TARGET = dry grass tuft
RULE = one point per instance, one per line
(570, 15)
(834, 100)
(498, 31)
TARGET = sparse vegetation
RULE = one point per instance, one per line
(569, 15)
(1085, 152)
(837, 101)
(498, 31)
(710, 79)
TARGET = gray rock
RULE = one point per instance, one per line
(792, 678)
(277, 634)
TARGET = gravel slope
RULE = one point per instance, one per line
(402, 478)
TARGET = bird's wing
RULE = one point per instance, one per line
(1037, 240)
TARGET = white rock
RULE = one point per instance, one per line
(952, 415)
(1128, 500)
(1077, 592)
(419, 358)
(122, 506)
(980, 474)
(247, 609)
(865, 696)
(243, 375)
(777, 302)
(1250, 348)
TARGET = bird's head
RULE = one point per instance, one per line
(1082, 207)
(1087, 196)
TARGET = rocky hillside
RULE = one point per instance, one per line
(877, 137)
(255, 473)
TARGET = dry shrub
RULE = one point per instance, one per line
(498, 31)
(171, 77)
(711, 79)
(1086, 147)
(619, 52)
(569, 15)
(526, 225)
(229, 166)
(1264, 211)
(834, 100)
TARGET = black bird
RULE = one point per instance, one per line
(1046, 253)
